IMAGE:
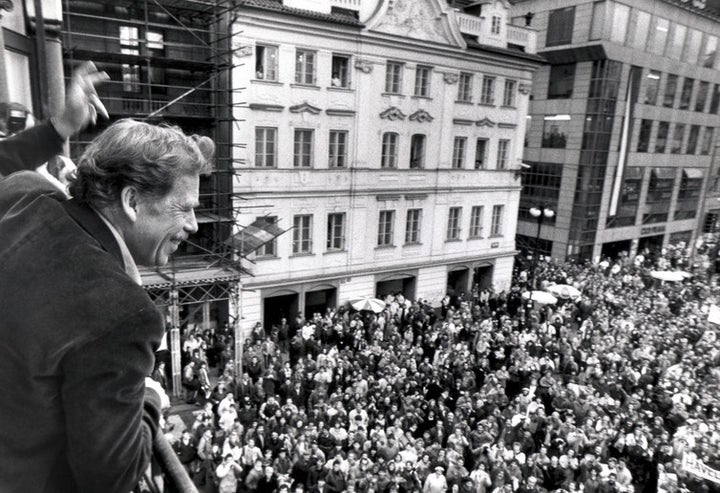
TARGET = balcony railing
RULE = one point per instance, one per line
(522, 36)
(346, 4)
(470, 24)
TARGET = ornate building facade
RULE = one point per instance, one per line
(385, 137)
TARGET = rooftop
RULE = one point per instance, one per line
(338, 16)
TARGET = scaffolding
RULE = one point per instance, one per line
(171, 61)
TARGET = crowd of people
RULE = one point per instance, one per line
(615, 391)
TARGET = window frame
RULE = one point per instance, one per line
(487, 91)
(560, 26)
(509, 97)
(332, 226)
(264, 154)
(476, 221)
(459, 152)
(386, 228)
(337, 151)
(503, 154)
(485, 145)
(268, 74)
(305, 68)
(418, 142)
(394, 77)
(413, 226)
(302, 242)
(454, 224)
(345, 81)
(302, 159)
(465, 87)
(496, 225)
(389, 160)
(423, 79)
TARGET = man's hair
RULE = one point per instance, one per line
(147, 157)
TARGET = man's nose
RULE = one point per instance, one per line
(191, 226)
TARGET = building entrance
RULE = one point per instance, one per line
(404, 286)
(457, 281)
(275, 308)
(483, 276)
(612, 249)
(319, 301)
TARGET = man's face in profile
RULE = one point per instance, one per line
(162, 224)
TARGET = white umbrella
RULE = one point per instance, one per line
(367, 303)
(564, 291)
(667, 275)
(541, 297)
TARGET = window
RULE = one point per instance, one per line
(487, 95)
(693, 138)
(555, 131)
(265, 147)
(503, 153)
(496, 228)
(337, 147)
(638, 29)
(386, 224)
(496, 24)
(675, 48)
(599, 16)
(620, 18)
(670, 90)
(305, 67)
(689, 193)
(302, 234)
(266, 62)
(476, 221)
(677, 140)
(412, 226)
(562, 79)
(715, 100)
(453, 226)
(692, 46)
(269, 249)
(393, 77)
(156, 74)
(509, 93)
(480, 153)
(336, 231)
(303, 150)
(662, 135)
(658, 35)
(422, 81)
(465, 87)
(560, 26)
(702, 94)
(707, 141)
(340, 76)
(686, 94)
(644, 135)
(458, 157)
(389, 150)
(659, 192)
(709, 53)
(417, 151)
(130, 45)
(652, 84)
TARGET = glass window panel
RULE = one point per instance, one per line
(598, 20)
(638, 29)
(560, 26)
(658, 35)
(693, 137)
(670, 90)
(678, 41)
(677, 140)
(662, 135)
(644, 135)
(620, 18)
(686, 94)
(562, 79)
(709, 53)
(555, 131)
(692, 46)
(701, 98)
(707, 141)
(652, 84)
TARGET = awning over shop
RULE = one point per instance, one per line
(664, 173)
(185, 272)
(693, 173)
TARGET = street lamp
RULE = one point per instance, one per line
(540, 215)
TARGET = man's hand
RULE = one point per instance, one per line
(82, 104)
(155, 385)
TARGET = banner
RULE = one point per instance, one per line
(695, 466)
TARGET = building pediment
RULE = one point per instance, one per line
(485, 122)
(425, 20)
(305, 107)
(421, 116)
(393, 113)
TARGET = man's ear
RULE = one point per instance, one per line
(129, 202)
